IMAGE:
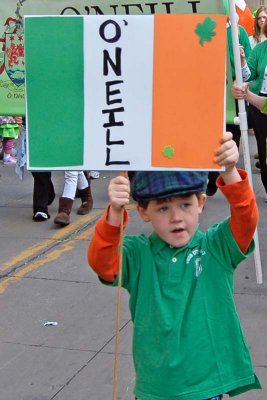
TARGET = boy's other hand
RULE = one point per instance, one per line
(119, 192)
(227, 154)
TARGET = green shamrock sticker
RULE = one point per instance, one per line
(168, 151)
(205, 30)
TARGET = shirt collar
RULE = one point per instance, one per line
(159, 245)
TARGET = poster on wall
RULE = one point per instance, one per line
(120, 92)
(12, 63)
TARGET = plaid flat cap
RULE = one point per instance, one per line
(150, 185)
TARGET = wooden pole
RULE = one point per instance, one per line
(118, 312)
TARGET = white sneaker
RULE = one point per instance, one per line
(40, 216)
(10, 160)
(94, 174)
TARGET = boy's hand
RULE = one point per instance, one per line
(227, 154)
(119, 192)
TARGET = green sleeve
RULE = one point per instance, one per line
(244, 41)
(230, 50)
(252, 63)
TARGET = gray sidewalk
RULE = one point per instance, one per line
(45, 277)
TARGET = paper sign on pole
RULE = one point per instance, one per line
(124, 93)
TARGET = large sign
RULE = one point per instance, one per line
(12, 69)
(125, 92)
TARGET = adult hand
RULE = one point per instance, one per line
(240, 93)
(19, 120)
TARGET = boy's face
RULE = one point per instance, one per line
(174, 219)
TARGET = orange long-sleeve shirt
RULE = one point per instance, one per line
(103, 250)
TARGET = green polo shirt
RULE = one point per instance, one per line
(187, 340)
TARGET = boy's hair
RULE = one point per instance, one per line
(154, 185)
(144, 203)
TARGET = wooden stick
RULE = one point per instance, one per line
(118, 313)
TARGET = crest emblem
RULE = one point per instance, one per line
(14, 57)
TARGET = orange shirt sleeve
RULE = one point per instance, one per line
(103, 254)
(244, 210)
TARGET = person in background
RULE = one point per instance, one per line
(43, 188)
(74, 180)
(254, 71)
(258, 37)
(9, 130)
(244, 43)
(43, 195)
(235, 129)
(259, 20)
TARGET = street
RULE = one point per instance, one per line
(57, 320)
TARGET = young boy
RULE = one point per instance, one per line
(187, 339)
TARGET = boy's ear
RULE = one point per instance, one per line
(201, 202)
(143, 213)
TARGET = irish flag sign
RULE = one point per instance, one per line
(124, 92)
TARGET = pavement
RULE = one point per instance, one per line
(44, 278)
